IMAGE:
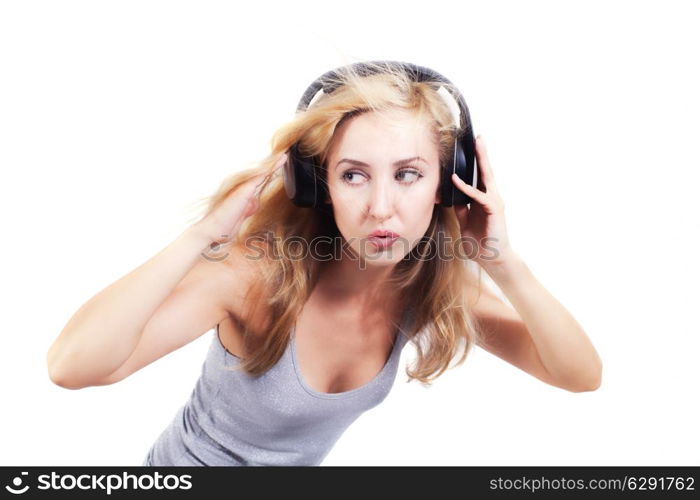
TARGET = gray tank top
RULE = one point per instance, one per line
(275, 419)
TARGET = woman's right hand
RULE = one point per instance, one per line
(225, 220)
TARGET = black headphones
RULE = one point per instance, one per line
(306, 189)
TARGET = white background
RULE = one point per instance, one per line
(116, 116)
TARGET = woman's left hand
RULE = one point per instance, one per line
(483, 223)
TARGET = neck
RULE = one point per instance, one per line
(343, 280)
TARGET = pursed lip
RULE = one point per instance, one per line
(383, 233)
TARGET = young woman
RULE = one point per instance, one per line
(311, 308)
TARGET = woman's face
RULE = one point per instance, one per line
(383, 173)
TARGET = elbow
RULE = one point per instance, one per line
(59, 376)
(73, 381)
(62, 380)
(589, 387)
(58, 379)
(66, 385)
(591, 383)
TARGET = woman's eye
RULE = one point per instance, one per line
(347, 176)
(411, 172)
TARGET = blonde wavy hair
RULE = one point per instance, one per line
(433, 291)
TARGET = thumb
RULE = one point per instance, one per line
(252, 207)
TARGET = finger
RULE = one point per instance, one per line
(274, 170)
(262, 179)
(280, 161)
(259, 180)
(256, 185)
(484, 164)
(251, 207)
(259, 187)
(470, 191)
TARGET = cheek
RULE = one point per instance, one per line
(418, 202)
(414, 206)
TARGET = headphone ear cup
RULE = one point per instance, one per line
(300, 179)
(290, 177)
(322, 190)
(463, 165)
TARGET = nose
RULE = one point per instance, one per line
(381, 200)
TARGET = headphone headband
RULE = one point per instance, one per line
(328, 82)
(304, 187)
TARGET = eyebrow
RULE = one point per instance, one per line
(398, 163)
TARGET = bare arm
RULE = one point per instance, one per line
(104, 332)
(168, 301)
(539, 336)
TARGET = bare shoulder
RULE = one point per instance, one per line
(242, 267)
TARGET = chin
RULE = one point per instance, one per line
(382, 258)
